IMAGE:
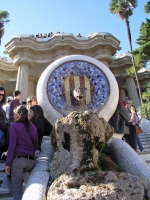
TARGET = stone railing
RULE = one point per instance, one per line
(145, 125)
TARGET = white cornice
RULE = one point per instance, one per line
(47, 44)
(7, 66)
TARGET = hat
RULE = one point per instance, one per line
(10, 98)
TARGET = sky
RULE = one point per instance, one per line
(69, 16)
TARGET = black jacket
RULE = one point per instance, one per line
(2, 119)
(120, 118)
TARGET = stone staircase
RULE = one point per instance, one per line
(145, 140)
(2, 174)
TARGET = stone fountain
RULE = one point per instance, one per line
(79, 94)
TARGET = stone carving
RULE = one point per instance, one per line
(98, 186)
(79, 98)
(80, 95)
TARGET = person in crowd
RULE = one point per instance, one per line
(24, 103)
(122, 103)
(15, 102)
(127, 107)
(36, 116)
(2, 128)
(31, 101)
(136, 121)
(128, 100)
(23, 143)
(120, 121)
(78, 35)
(6, 107)
(38, 35)
(2, 120)
(45, 35)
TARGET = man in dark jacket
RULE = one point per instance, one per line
(119, 121)
(15, 102)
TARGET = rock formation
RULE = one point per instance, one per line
(98, 186)
(77, 139)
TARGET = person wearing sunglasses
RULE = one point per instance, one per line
(2, 119)
(31, 101)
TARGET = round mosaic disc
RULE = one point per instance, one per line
(74, 74)
(61, 79)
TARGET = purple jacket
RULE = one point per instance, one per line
(13, 105)
(20, 142)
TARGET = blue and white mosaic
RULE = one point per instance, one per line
(79, 68)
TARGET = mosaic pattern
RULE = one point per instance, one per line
(96, 77)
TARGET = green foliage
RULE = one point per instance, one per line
(145, 109)
(130, 71)
(147, 8)
(4, 15)
(146, 94)
(142, 54)
(124, 8)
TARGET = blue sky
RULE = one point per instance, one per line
(69, 16)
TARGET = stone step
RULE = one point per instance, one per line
(144, 135)
(145, 142)
(146, 146)
(7, 197)
(145, 139)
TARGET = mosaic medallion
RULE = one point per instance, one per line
(73, 74)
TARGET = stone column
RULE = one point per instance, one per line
(132, 91)
(22, 80)
(122, 94)
(31, 88)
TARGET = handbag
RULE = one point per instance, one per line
(138, 130)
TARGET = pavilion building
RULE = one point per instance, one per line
(31, 55)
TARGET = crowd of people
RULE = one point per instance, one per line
(40, 35)
(22, 141)
(27, 128)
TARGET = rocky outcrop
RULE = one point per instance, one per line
(77, 140)
(98, 185)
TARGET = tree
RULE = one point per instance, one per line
(4, 15)
(142, 54)
(124, 8)
(146, 94)
(145, 107)
(147, 8)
